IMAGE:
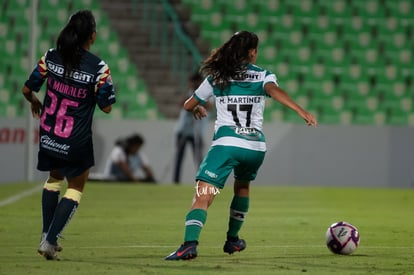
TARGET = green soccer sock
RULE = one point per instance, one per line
(194, 222)
(238, 211)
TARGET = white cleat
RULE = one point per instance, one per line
(48, 250)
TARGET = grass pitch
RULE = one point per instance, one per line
(129, 229)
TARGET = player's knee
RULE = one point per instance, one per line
(53, 184)
(73, 194)
(204, 194)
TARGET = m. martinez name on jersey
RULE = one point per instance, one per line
(79, 76)
(240, 99)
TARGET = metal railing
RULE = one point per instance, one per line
(177, 50)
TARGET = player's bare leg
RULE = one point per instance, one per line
(63, 213)
(195, 220)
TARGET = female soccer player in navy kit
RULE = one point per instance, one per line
(240, 88)
(77, 80)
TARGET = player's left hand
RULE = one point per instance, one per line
(310, 119)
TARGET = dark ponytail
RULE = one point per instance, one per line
(73, 37)
(231, 59)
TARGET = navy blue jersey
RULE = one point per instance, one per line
(69, 103)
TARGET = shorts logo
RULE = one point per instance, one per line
(50, 144)
(211, 174)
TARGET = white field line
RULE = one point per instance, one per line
(408, 249)
(250, 246)
(37, 188)
(20, 195)
(254, 246)
(148, 246)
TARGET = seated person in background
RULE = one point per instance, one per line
(127, 163)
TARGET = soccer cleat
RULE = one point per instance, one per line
(233, 246)
(186, 251)
(59, 248)
(48, 250)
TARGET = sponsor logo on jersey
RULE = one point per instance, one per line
(79, 76)
(245, 130)
(248, 76)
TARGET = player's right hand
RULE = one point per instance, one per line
(36, 107)
(199, 112)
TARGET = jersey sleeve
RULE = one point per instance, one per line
(270, 77)
(105, 92)
(38, 75)
(204, 91)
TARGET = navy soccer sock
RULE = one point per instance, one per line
(50, 201)
(64, 212)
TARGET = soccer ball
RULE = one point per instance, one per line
(342, 238)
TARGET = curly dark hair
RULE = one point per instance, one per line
(231, 59)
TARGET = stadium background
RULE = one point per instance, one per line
(349, 62)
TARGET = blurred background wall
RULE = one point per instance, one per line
(297, 155)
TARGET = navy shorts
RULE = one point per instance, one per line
(65, 168)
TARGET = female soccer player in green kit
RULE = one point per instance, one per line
(240, 88)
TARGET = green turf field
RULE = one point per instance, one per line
(129, 229)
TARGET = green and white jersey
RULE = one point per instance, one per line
(240, 108)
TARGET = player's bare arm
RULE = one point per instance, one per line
(107, 109)
(35, 104)
(282, 97)
(193, 105)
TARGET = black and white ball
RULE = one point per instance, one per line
(342, 238)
